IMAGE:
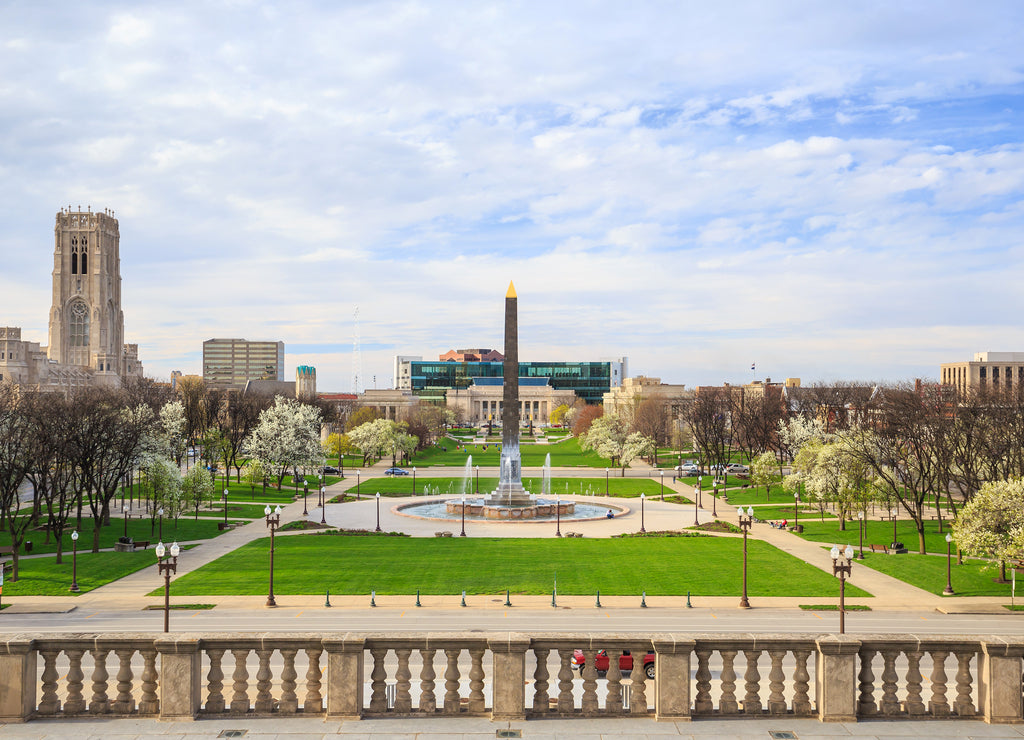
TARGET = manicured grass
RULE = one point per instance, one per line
(44, 577)
(566, 453)
(621, 487)
(757, 495)
(187, 528)
(879, 533)
(928, 572)
(777, 513)
(309, 564)
(235, 510)
(835, 607)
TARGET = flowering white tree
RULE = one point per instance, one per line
(197, 488)
(637, 445)
(172, 426)
(607, 437)
(287, 437)
(797, 431)
(164, 478)
(991, 524)
(374, 438)
(765, 471)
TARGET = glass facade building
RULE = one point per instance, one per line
(589, 380)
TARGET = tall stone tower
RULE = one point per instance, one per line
(305, 383)
(86, 320)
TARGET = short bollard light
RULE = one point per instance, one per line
(597, 602)
(327, 603)
(643, 599)
(463, 597)
(373, 598)
(508, 601)
(418, 598)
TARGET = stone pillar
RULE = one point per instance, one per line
(17, 679)
(345, 677)
(671, 677)
(180, 677)
(999, 681)
(836, 678)
(509, 676)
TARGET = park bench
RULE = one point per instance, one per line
(140, 543)
(443, 534)
(879, 548)
(6, 550)
(225, 525)
(8, 567)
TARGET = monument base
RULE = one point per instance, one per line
(488, 510)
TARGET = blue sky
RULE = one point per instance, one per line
(832, 191)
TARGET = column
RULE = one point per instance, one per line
(836, 678)
(999, 682)
(671, 678)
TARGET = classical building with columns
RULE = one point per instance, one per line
(86, 327)
(991, 370)
(482, 400)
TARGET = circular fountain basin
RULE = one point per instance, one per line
(477, 509)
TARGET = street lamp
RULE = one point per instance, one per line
(357, 486)
(796, 511)
(841, 566)
(323, 505)
(414, 480)
(860, 529)
(662, 472)
(643, 497)
(696, 519)
(378, 512)
(273, 521)
(305, 495)
(166, 567)
(949, 567)
(160, 513)
(558, 516)
(124, 513)
(74, 563)
(746, 520)
(463, 532)
(225, 508)
(606, 481)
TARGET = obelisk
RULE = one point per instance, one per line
(510, 492)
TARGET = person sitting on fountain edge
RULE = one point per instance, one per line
(610, 514)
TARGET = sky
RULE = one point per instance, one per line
(828, 191)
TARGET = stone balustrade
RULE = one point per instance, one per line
(510, 676)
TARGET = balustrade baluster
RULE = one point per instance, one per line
(477, 702)
(728, 704)
(125, 703)
(240, 685)
(776, 683)
(866, 706)
(264, 700)
(962, 704)
(75, 702)
(938, 705)
(49, 704)
(914, 705)
(638, 690)
(541, 700)
(289, 703)
(566, 702)
(215, 682)
(451, 683)
(150, 703)
(428, 702)
(890, 704)
(613, 699)
(378, 684)
(403, 681)
(801, 679)
(702, 703)
(314, 701)
(589, 701)
(752, 683)
(99, 703)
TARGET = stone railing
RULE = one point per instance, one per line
(510, 676)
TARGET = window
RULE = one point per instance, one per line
(78, 334)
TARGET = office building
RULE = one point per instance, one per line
(231, 363)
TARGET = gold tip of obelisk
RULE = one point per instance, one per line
(511, 290)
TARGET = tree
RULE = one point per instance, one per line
(197, 489)
(287, 437)
(607, 437)
(584, 418)
(15, 463)
(651, 420)
(558, 414)
(992, 523)
(255, 475)
(361, 416)
(765, 471)
(173, 429)
(338, 445)
(708, 417)
(637, 445)
(164, 478)
(373, 438)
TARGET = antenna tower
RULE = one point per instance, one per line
(357, 359)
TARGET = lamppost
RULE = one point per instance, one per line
(414, 480)
(558, 516)
(643, 497)
(160, 513)
(746, 520)
(124, 514)
(225, 508)
(696, 519)
(463, 532)
(606, 481)
(378, 512)
(305, 496)
(74, 563)
(477, 487)
(949, 567)
(860, 529)
(320, 483)
(714, 499)
(323, 505)
(842, 564)
(892, 513)
(357, 486)
(165, 568)
(662, 472)
(273, 521)
(796, 511)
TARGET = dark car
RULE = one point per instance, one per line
(601, 662)
(396, 471)
(329, 470)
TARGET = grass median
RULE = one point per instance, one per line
(703, 566)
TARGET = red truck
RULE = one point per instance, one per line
(601, 662)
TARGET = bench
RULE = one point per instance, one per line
(222, 526)
(8, 567)
(6, 550)
(443, 534)
(880, 548)
(140, 543)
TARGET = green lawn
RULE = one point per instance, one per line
(757, 495)
(43, 577)
(778, 513)
(928, 572)
(879, 533)
(426, 486)
(186, 528)
(566, 453)
(309, 564)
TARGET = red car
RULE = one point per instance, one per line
(601, 662)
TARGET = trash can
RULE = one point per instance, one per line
(28, 545)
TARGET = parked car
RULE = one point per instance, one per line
(329, 470)
(687, 470)
(601, 662)
(396, 471)
(736, 469)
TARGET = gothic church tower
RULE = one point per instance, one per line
(86, 321)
